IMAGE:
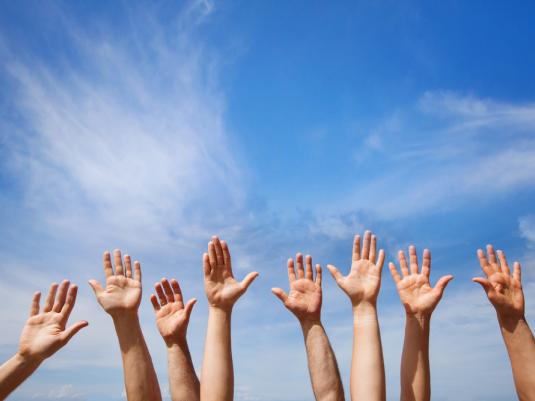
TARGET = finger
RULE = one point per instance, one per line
(492, 257)
(49, 302)
(34, 310)
(373, 249)
(71, 331)
(161, 295)
(178, 292)
(291, 270)
(137, 271)
(487, 286)
(483, 262)
(226, 257)
(366, 245)
(517, 272)
(426, 264)
(279, 293)
(299, 262)
(206, 265)
(218, 251)
(168, 291)
(97, 288)
(441, 284)
(154, 302)
(128, 266)
(356, 248)
(381, 259)
(247, 281)
(309, 275)
(118, 262)
(394, 272)
(503, 263)
(403, 263)
(318, 275)
(106, 260)
(413, 259)
(62, 296)
(69, 302)
(335, 273)
(212, 256)
(189, 307)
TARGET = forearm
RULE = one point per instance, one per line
(520, 345)
(183, 382)
(367, 368)
(415, 374)
(217, 377)
(14, 371)
(140, 378)
(324, 373)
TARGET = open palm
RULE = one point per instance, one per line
(123, 288)
(503, 289)
(363, 282)
(305, 296)
(45, 332)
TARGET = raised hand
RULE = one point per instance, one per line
(363, 282)
(222, 289)
(414, 288)
(504, 290)
(45, 331)
(123, 287)
(304, 298)
(172, 317)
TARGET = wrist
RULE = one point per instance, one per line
(309, 321)
(125, 320)
(27, 360)
(510, 321)
(418, 316)
(364, 308)
(219, 310)
(176, 344)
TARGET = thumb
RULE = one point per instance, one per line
(189, 306)
(95, 285)
(279, 293)
(335, 273)
(75, 328)
(487, 286)
(442, 283)
(246, 282)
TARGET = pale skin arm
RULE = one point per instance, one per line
(121, 299)
(419, 300)
(44, 333)
(504, 291)
(172, 318)
(222, 291)
(362, 284)
(304, 301)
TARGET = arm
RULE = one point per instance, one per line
(304, 301)
(43, 335)
(121, 299)
(222, 291)
(505, 293)
(419, 300)
(362, 285)
(172, 319)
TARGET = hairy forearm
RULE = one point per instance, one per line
(520, 345)
(324, 373)
(14, 371)
(217, 377)
(415, 375)
(183, 382)
(367, 367)
(140, 378)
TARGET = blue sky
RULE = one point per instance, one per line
(282, 127)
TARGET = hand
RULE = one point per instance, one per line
(122, 294)
(503, 290)
(45, 332)
(414, 289)
(222, 290)
(172, 317)
(304, 299)
(363, 282)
